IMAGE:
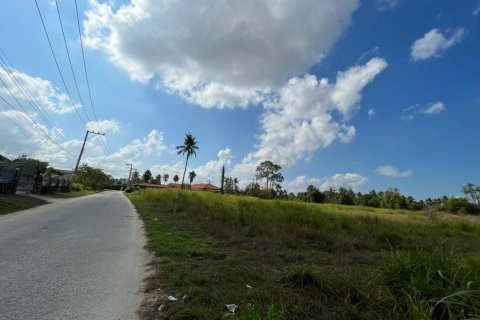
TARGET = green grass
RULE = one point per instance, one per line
(72, 194)
(12, 203)
(302, 261)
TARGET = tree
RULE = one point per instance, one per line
(147, 176)
(135, 176)
(190, 148)
(158, 179)
(176, 178)
(191, 176)
(473, 192)
(270, 172)
(92, 177)
(165, 178)
(253, 189)
(229, 186)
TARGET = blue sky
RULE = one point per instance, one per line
(361, 94)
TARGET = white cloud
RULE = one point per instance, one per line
(384, 5)
(217, 53)
(302, 118)
(434, 44)
(476, 11)
(434, 108)
(27, 137)
(104, 126)
(347, 180)
(299, 184)
(40, 91)
(391, 171)
(371, 113)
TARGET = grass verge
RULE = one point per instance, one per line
(284, 260)
(72, 194)
(12, 203)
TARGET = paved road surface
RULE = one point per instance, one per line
(80, 258)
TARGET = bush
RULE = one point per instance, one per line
(432, 286)
(78, 187)
(128, 190)
(460, 205)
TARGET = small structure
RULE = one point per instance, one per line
(205, 187)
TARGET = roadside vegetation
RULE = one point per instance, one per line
(278, 259)
(12, 203)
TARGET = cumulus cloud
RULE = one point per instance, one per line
(346, 180)
(434, 44)
(300, 183)
(24, 136)
(304, 115)
(104, 126)
(217, 53)
(40, 91)
(392, 172)
(384, 5)
(434, 108)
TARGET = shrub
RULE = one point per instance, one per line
(460, 205)
(78, 187)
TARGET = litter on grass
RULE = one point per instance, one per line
(232, 307)
(248, 286)
(172, 298)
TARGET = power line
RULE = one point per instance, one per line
(70, 60)
(86, 76)
(56, 63)
(71, 66)
(25, 91)
(31, 123)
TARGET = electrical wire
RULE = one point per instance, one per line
(56, 63)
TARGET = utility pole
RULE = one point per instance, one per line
(83, 146)
(130, 173)
(223, 179)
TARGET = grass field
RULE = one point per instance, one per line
(12, 203)
(290, 260)
(72, 194)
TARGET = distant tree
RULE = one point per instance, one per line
(191, 176)
(331, 195)
(270, 172)
(235, 185)
(92, 177)
(158, 179)
(165, 178)
(229, 186)
(392, 199)
(253, 189)
(147, 176)
(176, 178)
(135, 176)
(345, 196)
(473, 192)
(190, 148)
(314, 195)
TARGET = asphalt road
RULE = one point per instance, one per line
(80, 258)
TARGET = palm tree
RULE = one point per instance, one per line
(165, 178)
(176, 178)
(190, 148)
(191, 176)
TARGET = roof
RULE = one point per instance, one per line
(150, 185)
(205, 187)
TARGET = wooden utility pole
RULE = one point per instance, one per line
(130, 173)
(223, 179)
(83, 146)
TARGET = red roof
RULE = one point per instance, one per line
(205, 187)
